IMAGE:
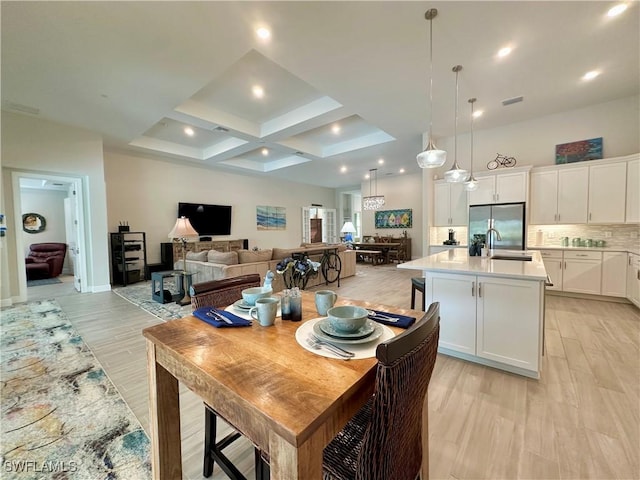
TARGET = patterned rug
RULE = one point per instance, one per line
(43, 281)
(61, 415)
(140, 294)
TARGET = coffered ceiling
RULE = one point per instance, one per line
(344, 84)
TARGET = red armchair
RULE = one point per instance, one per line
(45, 260)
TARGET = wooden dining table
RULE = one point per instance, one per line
(288, 401)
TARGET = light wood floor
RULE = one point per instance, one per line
(580, 421)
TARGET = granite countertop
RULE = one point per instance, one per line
(458, 261)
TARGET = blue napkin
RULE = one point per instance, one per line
(402, 322)
(206, 314)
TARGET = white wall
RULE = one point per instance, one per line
(401, 191)
(145, 192)
(31, 144)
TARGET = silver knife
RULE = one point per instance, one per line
(217, 316)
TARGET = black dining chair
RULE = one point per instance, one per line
(220, 293)
(384, 439)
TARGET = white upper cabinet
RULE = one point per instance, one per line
(633, 192)
(450, 204)
(500, 188)
(607, 193)
(559, 196)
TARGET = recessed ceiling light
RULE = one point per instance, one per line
(189, 131)
(380, 161)
(366, 177)
(617, 10)
(336, 129)
(343, 169)
(258, 91)
(477, 113)
(503, 52)
(401, 170)
(263, 32)
(590, 75)
(265, 152)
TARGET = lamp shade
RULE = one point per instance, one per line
(348, 228)
(182, 229)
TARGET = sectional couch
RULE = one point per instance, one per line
(214, 265)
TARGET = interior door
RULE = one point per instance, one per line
(73, 235)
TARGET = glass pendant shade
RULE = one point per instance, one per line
(471, 184)
(431, 156)
(456, 174)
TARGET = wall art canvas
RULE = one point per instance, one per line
(271, 218)
(579, 151)
(402, 218)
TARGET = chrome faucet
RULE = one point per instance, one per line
(489, 236)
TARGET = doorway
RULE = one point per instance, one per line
(69, 222)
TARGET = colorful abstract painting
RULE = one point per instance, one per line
(579, 151)
(402, 218)
(271, 218)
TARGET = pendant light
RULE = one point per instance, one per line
(471, 184)
(431, 157)
(456, 174)
(373, 202)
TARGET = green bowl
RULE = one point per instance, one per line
(250, 295)
(347, 318)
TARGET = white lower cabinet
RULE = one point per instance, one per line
(553, 265)
(456, 294)
(509, 321)
(582, 272)
(633, 278)
(492, 320)
(614, 274)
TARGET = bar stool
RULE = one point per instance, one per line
(417, 283)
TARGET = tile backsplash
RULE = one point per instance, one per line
(440, 234)
(622, 236)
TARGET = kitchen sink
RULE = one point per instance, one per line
(522, 258)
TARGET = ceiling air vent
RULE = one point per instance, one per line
(18, 107)
(221, 129)
(510, 101)
(300, 153)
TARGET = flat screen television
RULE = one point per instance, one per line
(207, 219)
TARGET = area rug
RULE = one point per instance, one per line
(61, 416)
(140, 294)
(43, 281)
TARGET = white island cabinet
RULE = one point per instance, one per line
(491, 311)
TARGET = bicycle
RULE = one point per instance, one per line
(501, 160)
(301, 270)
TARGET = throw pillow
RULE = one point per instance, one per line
(249, 256)
(224, 258)
(198, 256)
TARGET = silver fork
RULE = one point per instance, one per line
(382, 317)
(315, 342)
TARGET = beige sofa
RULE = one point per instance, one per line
(214, 265)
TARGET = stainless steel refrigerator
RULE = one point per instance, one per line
(507, 218)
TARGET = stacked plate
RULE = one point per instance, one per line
(242, 306)
(368, 333)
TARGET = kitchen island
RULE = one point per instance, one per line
(491, 311)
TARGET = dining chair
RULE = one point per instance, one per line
(220, 293)
(384, 439)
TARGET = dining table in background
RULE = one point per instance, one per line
(288, 401)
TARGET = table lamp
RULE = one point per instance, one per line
(348, 229)
(181, 232)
